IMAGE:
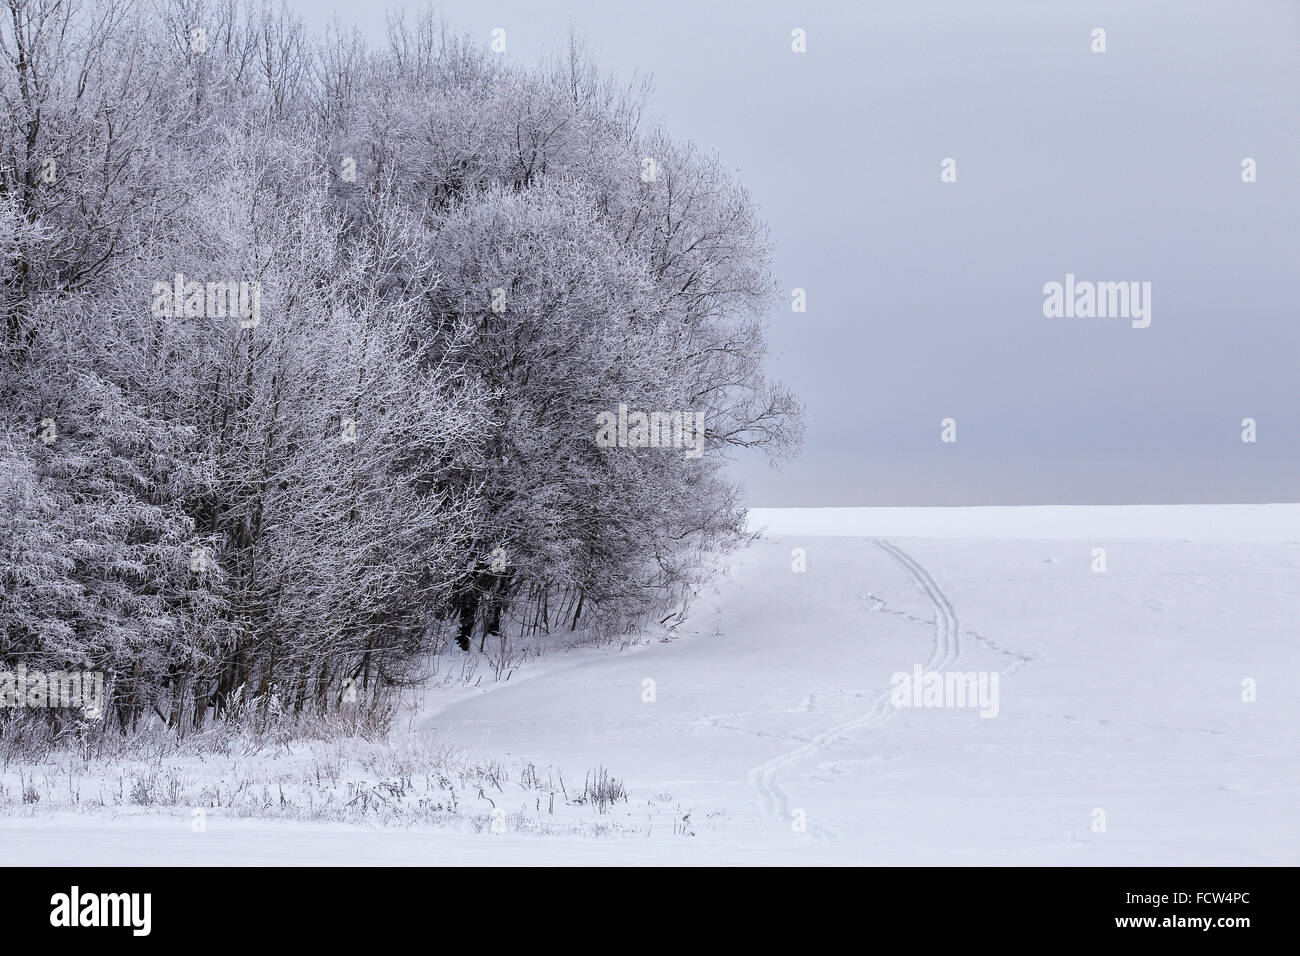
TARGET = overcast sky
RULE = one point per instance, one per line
(925, 298)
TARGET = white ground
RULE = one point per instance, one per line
(1119, 692)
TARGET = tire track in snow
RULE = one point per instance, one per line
(947, 646)
(947, 629)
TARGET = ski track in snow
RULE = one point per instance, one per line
(947, 647)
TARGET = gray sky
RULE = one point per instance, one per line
(925, 298)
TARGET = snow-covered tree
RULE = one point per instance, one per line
(307, 344)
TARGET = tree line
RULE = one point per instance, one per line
(459, 265)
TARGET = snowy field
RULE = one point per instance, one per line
(1121, 735)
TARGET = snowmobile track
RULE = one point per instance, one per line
(947, 647)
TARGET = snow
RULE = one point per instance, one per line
(1120, 691)
(1272, 522)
